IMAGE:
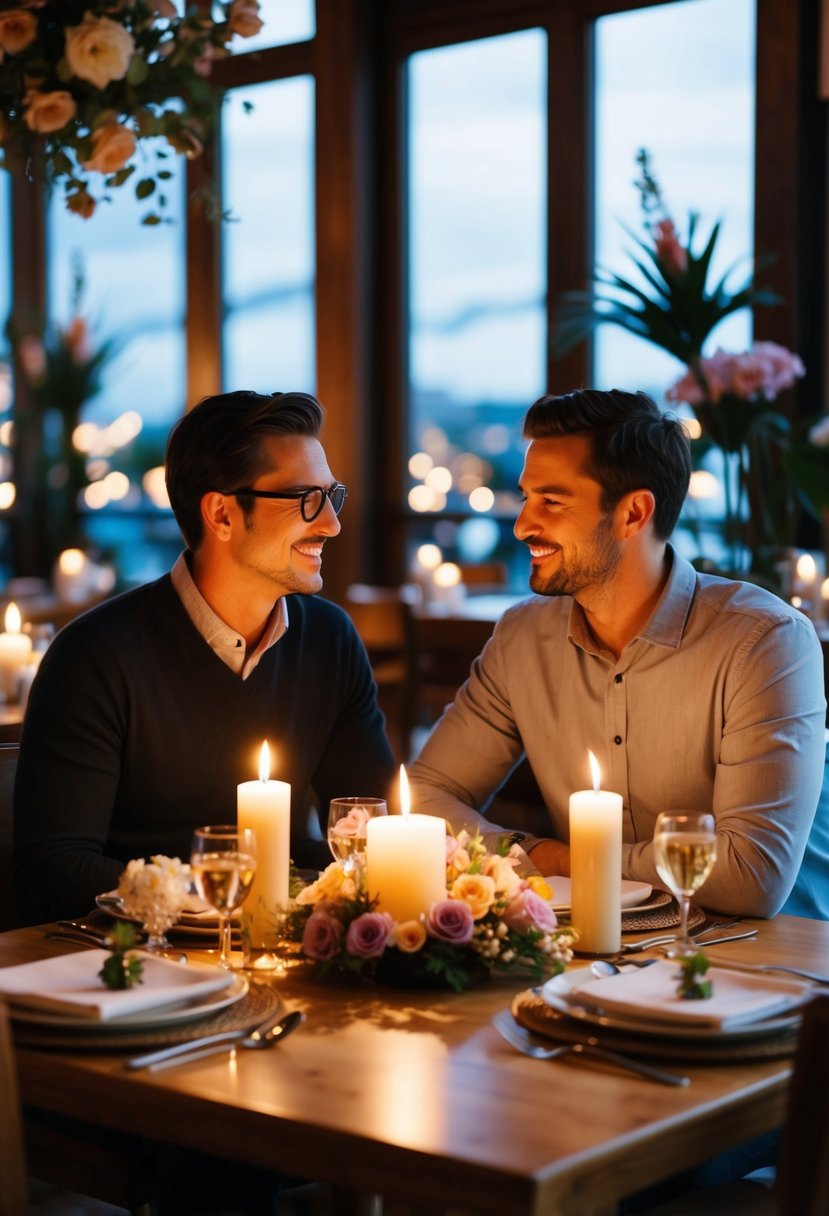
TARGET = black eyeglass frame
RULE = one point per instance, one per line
(336, 494)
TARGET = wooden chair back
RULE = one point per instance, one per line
(13, 1187)
(383, 618)
(8, 769)
(802, 1187)
(480, 577)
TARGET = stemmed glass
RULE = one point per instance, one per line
(347, 819)
(223, 861)
(686, 849)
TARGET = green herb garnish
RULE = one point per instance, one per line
(122, 969)
(691, 987)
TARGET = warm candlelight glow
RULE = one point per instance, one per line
(448, 574)
(824, 589)
(797, 602)
(595, 771)
(71, 561)
(12, 619)
(806, 568)
(405, 801)
(429, 556)
(265, 762)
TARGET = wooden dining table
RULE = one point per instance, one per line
(413, 1096)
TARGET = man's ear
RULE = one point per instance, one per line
(634, 511)
(215, 514)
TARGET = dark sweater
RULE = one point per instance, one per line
(136, 733)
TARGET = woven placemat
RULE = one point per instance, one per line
(663, 915)
(258, 1003)
(531, 1011)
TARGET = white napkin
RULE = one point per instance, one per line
(650, 994)
(70, 984)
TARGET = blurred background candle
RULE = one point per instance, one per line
(596, 866)
(15, 649)
(406, 859)
(265, 806)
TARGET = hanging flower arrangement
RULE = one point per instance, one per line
(84, 82)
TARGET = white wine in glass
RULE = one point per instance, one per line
(223, 861)
(686, 849)
(347, 819)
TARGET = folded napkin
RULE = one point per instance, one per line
(650, 994)
(70, 984)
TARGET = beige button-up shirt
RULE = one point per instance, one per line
(717, 705)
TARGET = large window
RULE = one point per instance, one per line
(269, 244)
(477, 272)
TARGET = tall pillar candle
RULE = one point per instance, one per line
(406, 860)
(596, 867)
(265, 806)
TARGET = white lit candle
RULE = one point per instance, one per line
(265, 806)
(596, 866)
(406, 859)
(15, 648)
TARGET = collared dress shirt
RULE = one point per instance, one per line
(716, 705)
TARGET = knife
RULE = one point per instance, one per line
(636, 947)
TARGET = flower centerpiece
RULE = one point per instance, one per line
(155, 892)
(491, 920)
(83, 82)
(807, 461)
(673, 301)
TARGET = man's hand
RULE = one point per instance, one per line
(551, 857)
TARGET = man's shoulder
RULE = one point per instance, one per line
(738, 598)
(122, 611)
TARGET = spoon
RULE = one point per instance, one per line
(603, 966)
(268, 1034)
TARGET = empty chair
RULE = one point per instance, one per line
(383, 618)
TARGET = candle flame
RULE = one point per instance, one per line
(12, 619)
(265, 762)
(595, 771)
(404, 792)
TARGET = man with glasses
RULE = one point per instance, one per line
(149, 710)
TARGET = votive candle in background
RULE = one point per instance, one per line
(406, 860)
(15, 649)
(596, 866)
(265, 806)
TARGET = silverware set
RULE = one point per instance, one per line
(532, 1045)
(267, 1034)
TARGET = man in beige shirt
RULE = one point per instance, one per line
(694, 692)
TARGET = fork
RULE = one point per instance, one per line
(524, 1041)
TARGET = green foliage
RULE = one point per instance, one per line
(122, 969)
(690, 985)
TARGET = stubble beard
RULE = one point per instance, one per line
(596, 570)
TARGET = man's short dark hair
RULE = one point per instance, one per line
(218, 446)
(633, 446)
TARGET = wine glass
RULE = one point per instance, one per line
(686, 849)
(347, 819)
(223, 861)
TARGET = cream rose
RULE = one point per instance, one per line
(46, 112)
(243, 18)
(331, 885)
(99, 50)
(112, 147)
(477, 891)
(502, 872)
(409, 936)
(17, 29)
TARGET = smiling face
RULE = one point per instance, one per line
(272, 542)
(571, 539)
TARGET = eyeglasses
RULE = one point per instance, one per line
(311, 501)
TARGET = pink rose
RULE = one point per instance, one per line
(451, 920)
(322, 935)
(352, 825)
(764, 370)
(668, 249)
(112, 146)
(526, 910)
(99, 50)
(243, 18)
(17, 30)
(47, 112)
(369, 934)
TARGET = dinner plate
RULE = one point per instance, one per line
(189, 924)
(634, 894)
(555, 994)
(147, 1019)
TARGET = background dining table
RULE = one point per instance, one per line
(414, 1096)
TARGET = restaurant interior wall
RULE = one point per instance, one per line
(352, 330)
